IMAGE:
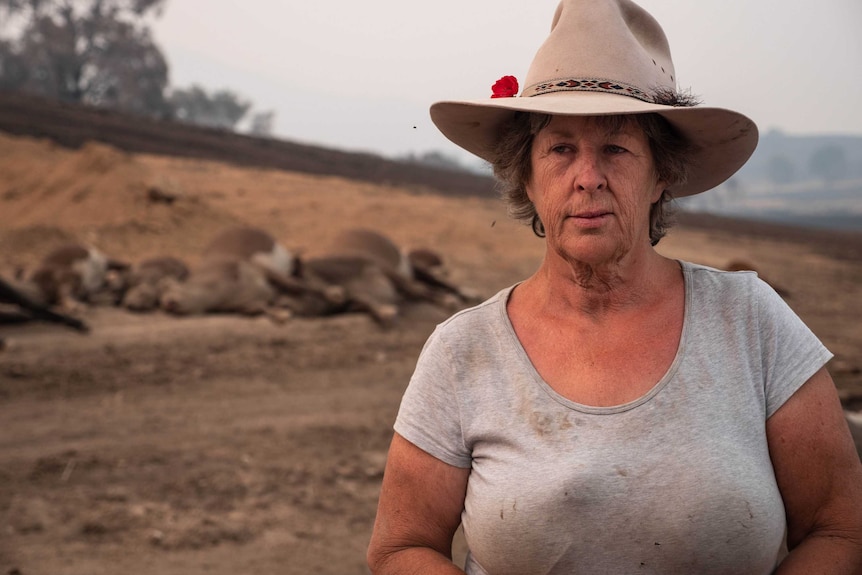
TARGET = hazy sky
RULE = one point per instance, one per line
(361, 75)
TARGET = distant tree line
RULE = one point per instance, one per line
(101, 53)
(827, 164)
(784, 159)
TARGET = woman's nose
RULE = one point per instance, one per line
(590, 175)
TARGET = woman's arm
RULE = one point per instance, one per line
(419, 510)
(820, 478)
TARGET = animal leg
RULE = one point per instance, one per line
(383, 313)
(333, 294)
(431, 279)
(37, 311)
(420, 292)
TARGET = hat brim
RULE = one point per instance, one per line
(723, 139)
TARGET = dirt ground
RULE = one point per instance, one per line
(227, 444)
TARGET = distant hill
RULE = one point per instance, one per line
(72, 125)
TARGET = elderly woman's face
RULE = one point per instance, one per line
(592, 185)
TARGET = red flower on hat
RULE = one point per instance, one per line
(505, 87)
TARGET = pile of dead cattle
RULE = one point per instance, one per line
(243, 270)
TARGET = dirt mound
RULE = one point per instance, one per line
(97, 185)
(98, 195)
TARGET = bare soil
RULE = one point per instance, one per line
(226, 444)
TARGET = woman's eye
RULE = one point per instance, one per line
(561, 149)
(614, 149)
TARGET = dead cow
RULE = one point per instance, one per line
(149, 278)
(427, 267)
(242, 270)
(377, 277)
(418, 273)
(70, 275)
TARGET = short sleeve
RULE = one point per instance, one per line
(791, 353)
(429, 415)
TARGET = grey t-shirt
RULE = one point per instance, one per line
(677, 481)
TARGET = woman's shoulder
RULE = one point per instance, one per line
(728, 288)
(701, 275)
(486, 315)
(470, 332)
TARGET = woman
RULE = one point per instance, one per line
(618, 411)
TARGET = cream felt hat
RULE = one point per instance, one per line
(605, 57)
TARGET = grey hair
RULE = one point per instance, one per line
(512, 163)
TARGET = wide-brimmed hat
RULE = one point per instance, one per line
(605, 57)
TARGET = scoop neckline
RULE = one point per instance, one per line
(610, 409)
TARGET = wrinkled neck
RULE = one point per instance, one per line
(601, 288)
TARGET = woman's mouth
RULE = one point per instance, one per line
(591, 218)
(591, 214)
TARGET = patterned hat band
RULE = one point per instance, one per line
(587, 85)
